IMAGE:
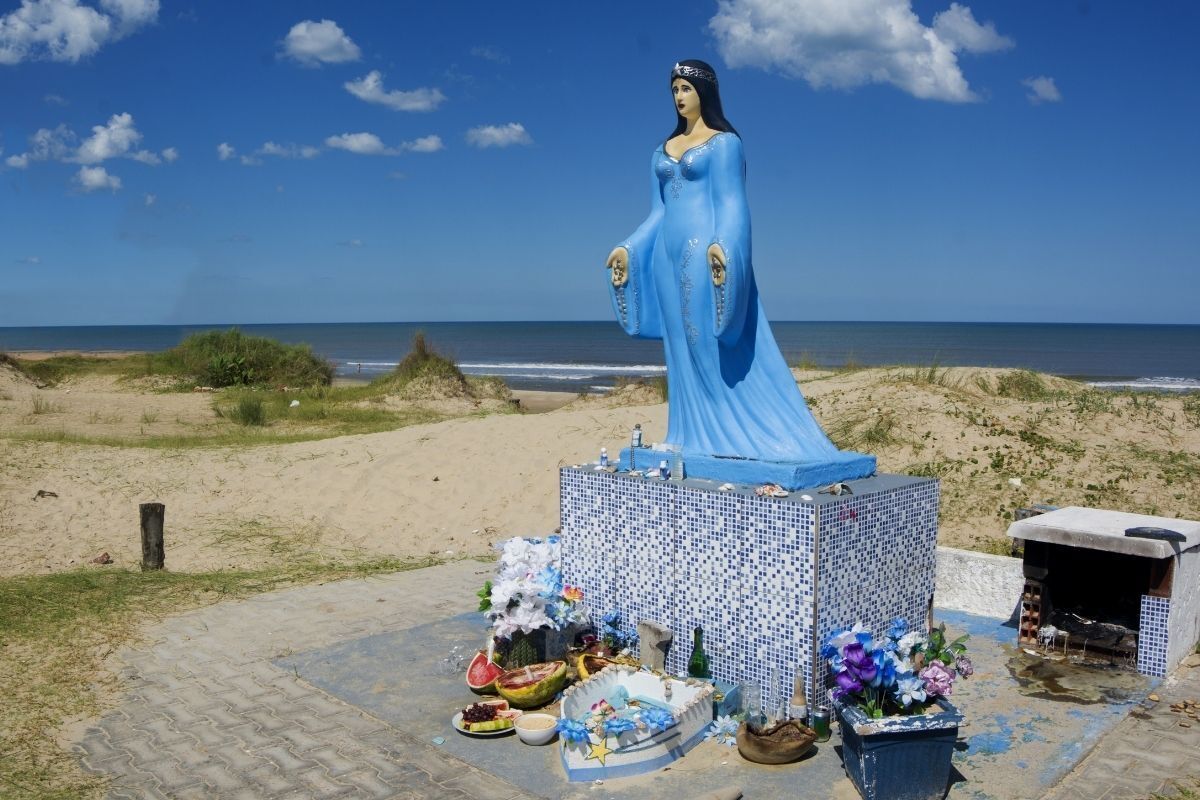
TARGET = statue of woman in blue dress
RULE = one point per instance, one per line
(684, 276)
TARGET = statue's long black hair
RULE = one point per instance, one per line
(710, 101)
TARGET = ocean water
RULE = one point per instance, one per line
(590, 356)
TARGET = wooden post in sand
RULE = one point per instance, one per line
(153, 553)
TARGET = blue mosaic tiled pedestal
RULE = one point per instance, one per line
(767, 579)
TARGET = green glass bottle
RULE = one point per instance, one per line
(698, 663)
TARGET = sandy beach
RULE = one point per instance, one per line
(454, 487)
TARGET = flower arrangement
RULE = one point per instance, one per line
(528, 592)
(903, 672)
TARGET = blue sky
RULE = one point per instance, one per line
(399, 161)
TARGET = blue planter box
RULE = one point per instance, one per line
(899, 758)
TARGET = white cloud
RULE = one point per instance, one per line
(351, 243)
(250, 161)
(368, 144)
(369, 88)
(170, 155)
(1042, 90)
(32, 261)
(397, 175)
(426, 144)
(848, 43)
(150, 199)
(111, 140)
(67, 30)
(131, 14)
(288, 150)
(55, 100)
(114, 139)
(92, 178)
(46, 145)
(225, 151)
(498, 135)
(315, 43)
(957, 27)
(365, 144)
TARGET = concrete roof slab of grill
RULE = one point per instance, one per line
(1101, 529)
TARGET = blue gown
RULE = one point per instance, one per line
(730, 393)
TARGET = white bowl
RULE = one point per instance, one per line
(533, 734)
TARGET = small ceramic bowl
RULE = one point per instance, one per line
(536, 728)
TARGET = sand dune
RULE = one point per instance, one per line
(459, 485)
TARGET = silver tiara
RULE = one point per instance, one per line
(681, 71)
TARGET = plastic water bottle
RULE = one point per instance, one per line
(636, 439)
(604, 456)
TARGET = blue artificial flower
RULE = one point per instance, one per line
(615, 726)
(723, 731)
(658, 719)
(553, 539)
(551, 577)
(571, 730)
(910, 689)
(885, 669)
(898, 629)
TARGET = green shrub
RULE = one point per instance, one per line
(249, 411)
(1022, 384)
(230, 358)
(425, 364)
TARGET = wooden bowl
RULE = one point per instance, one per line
(780, 743)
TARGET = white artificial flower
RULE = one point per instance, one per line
(910, 641)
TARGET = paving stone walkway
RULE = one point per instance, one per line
(1150, 751)
(206, 715)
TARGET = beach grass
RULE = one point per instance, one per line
(656, 383)
(211, 358)
(56, 630)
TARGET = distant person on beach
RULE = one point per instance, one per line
(684, 276)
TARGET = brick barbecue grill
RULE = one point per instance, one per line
(1090, 587)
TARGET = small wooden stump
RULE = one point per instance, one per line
(153, 553)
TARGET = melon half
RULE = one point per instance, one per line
(482, 674)
(532, 686)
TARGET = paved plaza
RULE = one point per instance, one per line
(252, 699)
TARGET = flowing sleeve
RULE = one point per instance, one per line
(732, 215)
(636, 303)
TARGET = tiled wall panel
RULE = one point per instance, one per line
(1152, 636)
(765, 579)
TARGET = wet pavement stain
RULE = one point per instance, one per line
(1070, 681)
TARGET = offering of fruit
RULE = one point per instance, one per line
(484, 718)
(532, 686)
(482, 674)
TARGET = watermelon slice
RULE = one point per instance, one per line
(482, 674)
(532, 686)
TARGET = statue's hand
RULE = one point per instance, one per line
(716, 262)
(618, 262)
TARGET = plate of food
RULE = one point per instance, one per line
(489, 718)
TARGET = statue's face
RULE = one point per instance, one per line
(687, 102)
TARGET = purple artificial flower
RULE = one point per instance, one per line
(859, 663)
(939, 681)
(847, 683)
(964, 666)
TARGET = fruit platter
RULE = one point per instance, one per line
(486, 718)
